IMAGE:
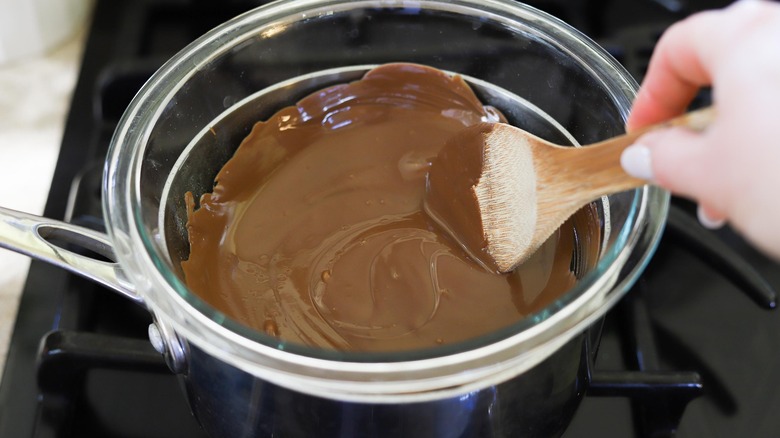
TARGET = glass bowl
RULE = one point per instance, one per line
(569, 80)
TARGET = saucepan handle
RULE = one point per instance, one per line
(56, 242)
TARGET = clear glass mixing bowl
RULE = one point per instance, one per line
(528, 53)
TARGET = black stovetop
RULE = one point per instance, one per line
(80, 364)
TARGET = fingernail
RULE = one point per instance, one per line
(707, 221)
(635, 160)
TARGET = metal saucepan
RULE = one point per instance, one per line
(523, 380)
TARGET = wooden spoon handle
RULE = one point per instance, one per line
(697, 120)
(599, 163)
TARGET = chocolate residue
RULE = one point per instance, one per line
(315, 231)
(450, 197)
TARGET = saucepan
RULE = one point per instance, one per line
(187, 120)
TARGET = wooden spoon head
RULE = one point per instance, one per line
(467, 194)
(506, 194)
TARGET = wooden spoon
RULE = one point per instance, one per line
(501, 191)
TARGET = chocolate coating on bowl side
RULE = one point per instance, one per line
(315, 232)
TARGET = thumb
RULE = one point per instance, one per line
(676, 159)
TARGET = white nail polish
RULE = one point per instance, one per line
(708, 222)
(636, 161)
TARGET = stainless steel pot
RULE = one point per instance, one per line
(521, 380)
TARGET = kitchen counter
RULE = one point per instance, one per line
(34, 100)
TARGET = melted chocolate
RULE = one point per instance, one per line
(315, 231)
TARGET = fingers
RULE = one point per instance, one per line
(680, 65)
(691, 52)
(678, 159)
(710, 218)
(672, 158)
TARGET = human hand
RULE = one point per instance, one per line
(733, 168)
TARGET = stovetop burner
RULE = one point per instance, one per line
(688, 349)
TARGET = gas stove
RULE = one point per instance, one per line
(691, 350)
